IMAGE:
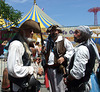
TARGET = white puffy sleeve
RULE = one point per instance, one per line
(81, 59)
(14, 61)
(69, 48)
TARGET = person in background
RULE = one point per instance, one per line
(36, 64)
(32, 47)
(5, 51)
(82, 62)
(58, 49)
(19, 58)
(37, 47)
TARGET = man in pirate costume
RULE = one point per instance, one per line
(82, 61)
(20, 57)
(57, 48)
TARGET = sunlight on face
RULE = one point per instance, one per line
(28, 34)
(77, 35)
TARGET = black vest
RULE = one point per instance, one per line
(26, 62)
(89, 67)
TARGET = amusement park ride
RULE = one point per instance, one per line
(96, 31)
(95, 10)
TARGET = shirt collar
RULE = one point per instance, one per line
(59, 38)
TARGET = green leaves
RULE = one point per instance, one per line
(9, 13)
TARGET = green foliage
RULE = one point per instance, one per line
(9, 13)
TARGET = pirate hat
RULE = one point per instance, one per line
(54, 27)
(28, 24)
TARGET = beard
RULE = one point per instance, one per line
(79, 40)
(75, 39)
(54, 36)
(28, 39)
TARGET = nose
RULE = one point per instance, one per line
(56, 31)
(32, 32)
(74, 33)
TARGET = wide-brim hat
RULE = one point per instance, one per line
(54, 27)
(28, 24)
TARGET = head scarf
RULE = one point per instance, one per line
(87, 30)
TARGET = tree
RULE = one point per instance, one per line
(8, 13)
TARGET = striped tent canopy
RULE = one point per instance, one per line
(2, 22)
(37, 15)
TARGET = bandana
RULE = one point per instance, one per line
(85, 29)
(90, 41)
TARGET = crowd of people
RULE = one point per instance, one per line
(68, 68)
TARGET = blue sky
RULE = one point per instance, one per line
(65, 12)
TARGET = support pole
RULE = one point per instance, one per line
(95, 18)
(34, 1)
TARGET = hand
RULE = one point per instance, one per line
(60, 60)
(43, 49)
(65, 81)
(40, 71)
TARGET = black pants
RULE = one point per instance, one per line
(28, 89)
